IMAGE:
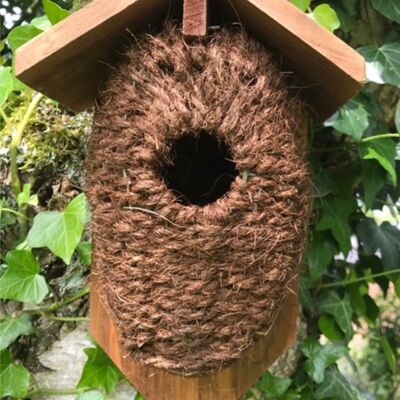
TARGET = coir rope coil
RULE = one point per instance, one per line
(191, 287)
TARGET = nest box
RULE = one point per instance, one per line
(197, 177)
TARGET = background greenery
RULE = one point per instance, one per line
(350, 283)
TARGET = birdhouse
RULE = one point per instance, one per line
(197, 177)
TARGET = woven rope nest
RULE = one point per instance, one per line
(200, 195)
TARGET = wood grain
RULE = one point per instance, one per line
(229, 384)
(194, 18)
(327, 70)
(67, 62)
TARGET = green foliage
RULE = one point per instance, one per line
(25, 197)
(22, 34)
(60, 232)
(389, 8)
(319, 255)
(14, 379)
(335, 217)
(21, 280)
(301, 4)
(383, 63)
(326, 16)
(11, 328)
(335, 385)
(383, 151)
(272, 386)
(355, 167)
(54, 12)
(373, 177)
(389, 354)
(84, 250)
(352, 119)
(340, 309)
(385, 238)
(329, 328)
(6, 83)
(320, 357)
(99, 371)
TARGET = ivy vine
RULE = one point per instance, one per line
(354, 242)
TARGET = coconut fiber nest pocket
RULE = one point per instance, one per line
(200, 195)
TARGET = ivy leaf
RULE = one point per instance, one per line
(139, 397)
(320, 357)
(273, 386)
(22, 281)
(389, 8)
(14, 379)
(54, 12)
(352, 119)
(91, 395)
(99, 371)
(383, 151)
(84, 250)
(5, 359)
(340, 309)
(319, 255)
(335, 385)
(301, 4)
(43, 23)
(373, 181)
(12, 328)
(22, 34)
(25, 196)
(329, 328)
(383, 63)
(60, 232)
(6, 83)
(326, 16)
(385, 238)
(335, 217)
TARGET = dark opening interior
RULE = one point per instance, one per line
(202, 170)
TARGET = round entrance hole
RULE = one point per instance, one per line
(201, 171)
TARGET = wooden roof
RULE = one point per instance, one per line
(66, 63)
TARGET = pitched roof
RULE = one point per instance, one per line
(67, 62)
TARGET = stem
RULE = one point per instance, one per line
(67, 319)
(16, 139)
(11, 211)
(55, 306)
(59, 304)
(376, 137)
(55, 392)
(4, 116)
(356, 280)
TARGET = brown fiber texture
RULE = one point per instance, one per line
(191, 287)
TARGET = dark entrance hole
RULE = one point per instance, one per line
(202, 170)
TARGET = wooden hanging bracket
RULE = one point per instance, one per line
(194, 18)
